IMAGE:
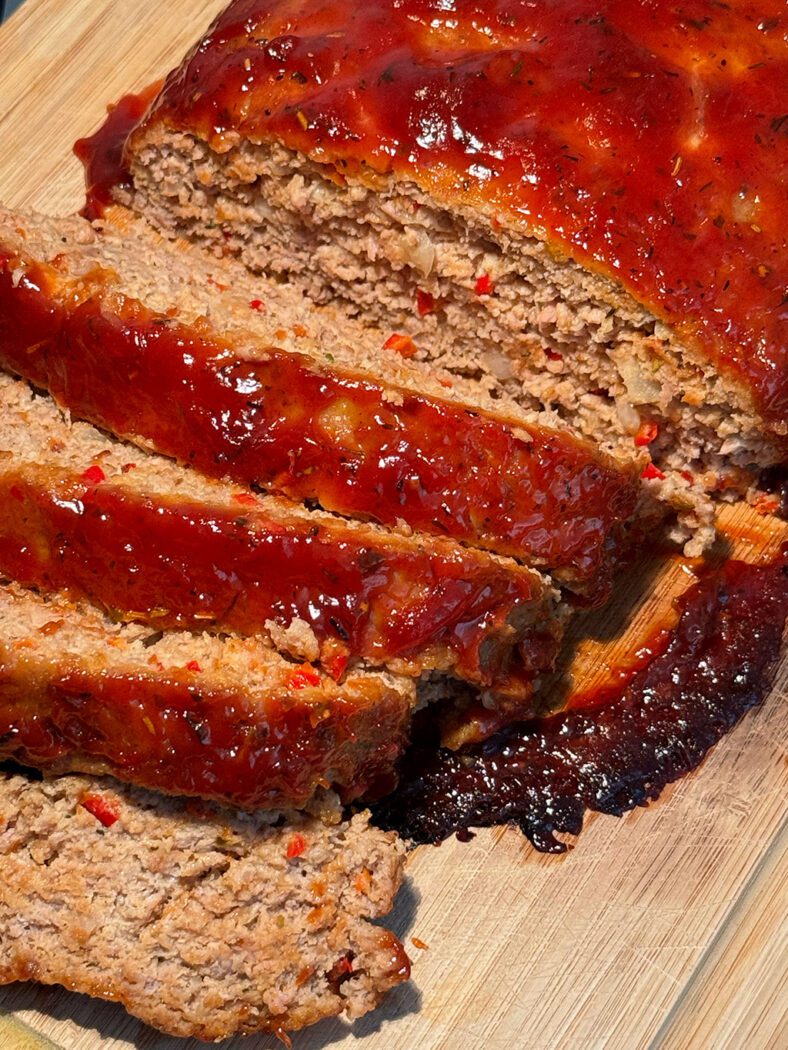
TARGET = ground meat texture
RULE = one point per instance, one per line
(213, 716)
(297, 401)
(154, 542)
(397, 184)
(226, 923)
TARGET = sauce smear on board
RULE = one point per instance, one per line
(612, 754)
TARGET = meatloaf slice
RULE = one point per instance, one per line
(579, 205)
(241, 378)
(200, 921)
(156, 543)
(225, 718)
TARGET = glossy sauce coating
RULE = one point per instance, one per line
(169, 732)
(616, 752)
(288, 424)
(102, 154)
(179, 564)
(646, 140)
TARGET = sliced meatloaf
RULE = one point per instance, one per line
(243, 379)
(159, 544)
(581, 205)
(220, 717)
(200, 921)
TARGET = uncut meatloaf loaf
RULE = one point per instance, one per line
(243, 379)
(581, 204)
(219, 717)
(156, 543)
(200, 921)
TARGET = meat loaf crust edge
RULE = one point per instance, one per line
(153, 542)
(222, 718)
(293, 415)
(623, 243)
(226, 923)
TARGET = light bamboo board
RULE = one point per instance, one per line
(665, 929)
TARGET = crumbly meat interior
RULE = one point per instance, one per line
(201, 921)
(483, 302)
(35, 437)
(254, 311)
(252, 314)
(55, 635)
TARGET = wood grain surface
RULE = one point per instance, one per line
(665, 929)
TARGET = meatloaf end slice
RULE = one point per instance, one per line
(200, 921)
(157, 543)
(459, 194)
(221, 717)
(262, 388)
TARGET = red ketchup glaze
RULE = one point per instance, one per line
(220, 745)
(646, 140)
(165, 562)
(102, 153)
(621, 751)
(541, 495)
(620, 675)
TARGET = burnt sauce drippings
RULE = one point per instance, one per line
(544, 775)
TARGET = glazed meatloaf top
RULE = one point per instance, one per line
(264, 390)
(644, 141)
(153, 542)
(220, 717)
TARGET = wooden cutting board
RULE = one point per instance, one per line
(664, 929)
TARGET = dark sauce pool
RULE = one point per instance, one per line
(618, 752)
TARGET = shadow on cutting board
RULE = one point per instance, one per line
(110, 1021)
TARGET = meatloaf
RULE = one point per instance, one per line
(220, 717)
(200, 921)
(581, 205)
(243, 379)
(156, 543)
